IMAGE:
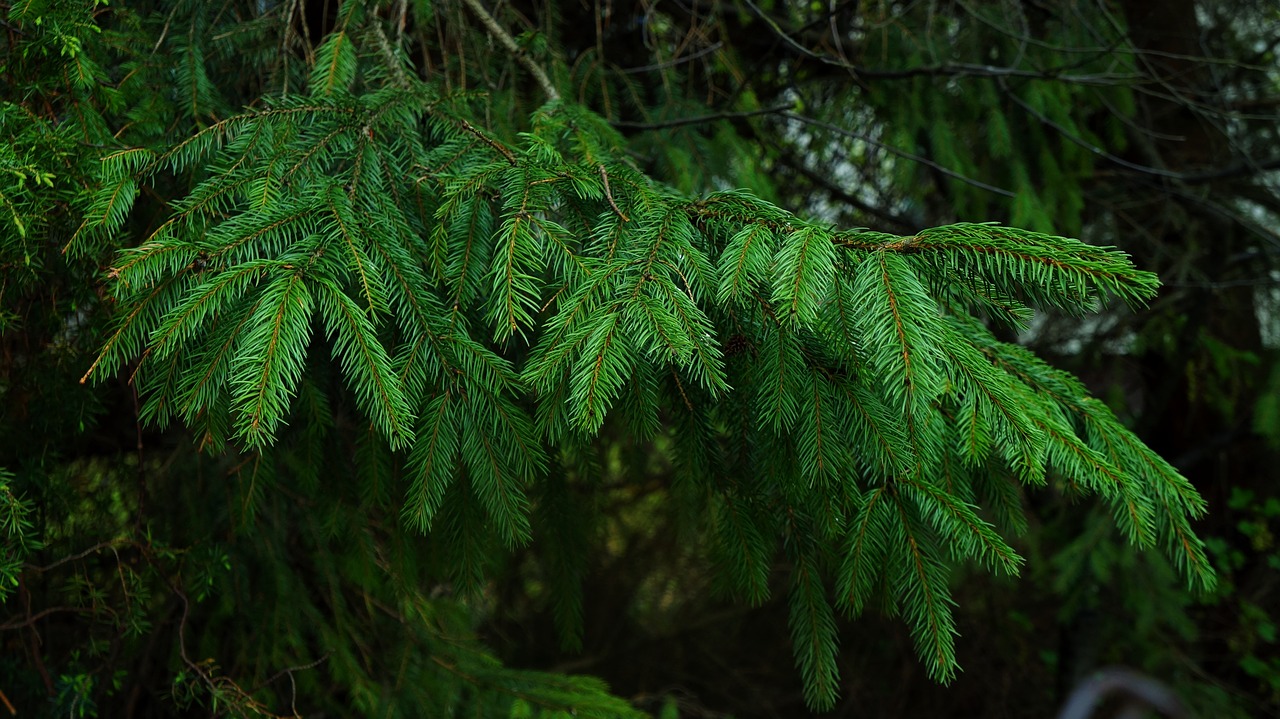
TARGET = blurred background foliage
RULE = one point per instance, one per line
(145, 578)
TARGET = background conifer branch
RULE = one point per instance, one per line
(505, 39)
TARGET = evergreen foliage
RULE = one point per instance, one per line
(489, 301)
(412, 304)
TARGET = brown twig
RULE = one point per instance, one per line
(32, 619)
(511, 158)
(389, 56)
(604, 177)
(95, 548)
(698, 119)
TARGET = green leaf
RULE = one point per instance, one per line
(267, 363)
(603, 365)
(368, 368)
(432, 460)
(901, 332)
(813, 635)
(335, 65)
(920, 585)
(744, 263)
(960, 527)
(866, 549)
(803, 273)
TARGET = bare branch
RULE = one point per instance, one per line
(836, 192)
(1237, 169)
(604, 177)
(20, 623)
(900, 153)
(699, 119)
(673, 61)
(511, 158)
(95, 548)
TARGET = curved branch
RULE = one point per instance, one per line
(504, 38)
(699, 119)
(899, 152)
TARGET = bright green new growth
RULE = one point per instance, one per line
(833, 397)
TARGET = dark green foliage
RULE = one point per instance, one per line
(407, 340)
(311, 228)
(16, 534)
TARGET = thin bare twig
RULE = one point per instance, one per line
(31, 620)
(837, 192)
(673, 61)
(680, 122)
(95, 548)
(1236, 169)
(293, 684)
(8, 705)
(604, 177)
(940, 69)
(899, 152)
(164, 30)
(511, 158)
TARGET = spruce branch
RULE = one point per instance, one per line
(389, 55)
(509, 43)
(873, 398)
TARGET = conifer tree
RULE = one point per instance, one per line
(365, 259)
